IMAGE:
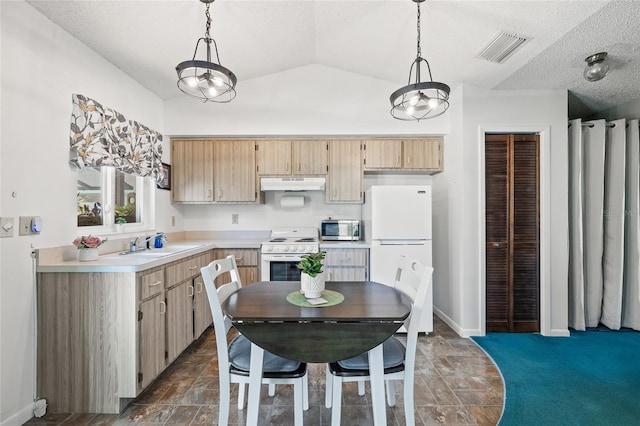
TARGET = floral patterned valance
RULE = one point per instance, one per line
(101, 136)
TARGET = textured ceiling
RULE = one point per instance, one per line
(146, 39)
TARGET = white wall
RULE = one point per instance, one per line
(462, 301)
(42, 66)
(629, 110)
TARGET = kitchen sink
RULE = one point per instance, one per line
(164, 251)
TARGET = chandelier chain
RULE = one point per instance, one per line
(419, 50)
(206, 35)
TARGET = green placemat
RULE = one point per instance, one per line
(332, 298)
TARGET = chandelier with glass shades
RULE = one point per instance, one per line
(419, 100)
(206, 80)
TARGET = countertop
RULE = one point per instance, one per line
(143, 260)
(147, 259)
(345, 244)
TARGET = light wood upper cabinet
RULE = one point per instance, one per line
(192, 171)
(383, 154)
(344, 182)
(291, 157)
(234, 171)
(422, 154)
(415, 154)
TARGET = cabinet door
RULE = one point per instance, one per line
(247, 261)
(383, 154)
(346, 264)
(344, 182)
(151, 335)
(179, 319)
(309, 157)
(202, 317)
(191, 171)
(234, 171)
(422, 154)
(273, 157)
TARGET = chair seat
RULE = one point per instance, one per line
(393, 354)
(240, 358)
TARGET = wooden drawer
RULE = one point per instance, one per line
(244, 257)
(185, 269)
(346, 257)
(151, 283)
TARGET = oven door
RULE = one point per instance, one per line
(279, 267)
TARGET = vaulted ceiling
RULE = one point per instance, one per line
(146, 39)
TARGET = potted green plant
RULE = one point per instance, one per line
(312, 277)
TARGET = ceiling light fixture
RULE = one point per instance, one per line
(419, 100)
(596, 68)
(206, 80)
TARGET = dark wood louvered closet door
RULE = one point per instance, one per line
(512, 232)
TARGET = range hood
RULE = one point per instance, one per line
(292, 184)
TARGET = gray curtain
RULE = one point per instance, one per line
(604, 277)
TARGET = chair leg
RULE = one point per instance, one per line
(298, 402)
(272, 389)
(225, 401)
(305, 392)
(242, 388)
(409, 410)
(336, 404)
(328, 385)
(361, 387)
(391, 393)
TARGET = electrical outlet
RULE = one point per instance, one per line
(234, 219)
(173, 221)
(6, 227)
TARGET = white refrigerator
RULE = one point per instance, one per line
(397, 221)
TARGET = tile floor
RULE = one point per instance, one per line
(455, 384)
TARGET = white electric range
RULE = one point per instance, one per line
(280, 255)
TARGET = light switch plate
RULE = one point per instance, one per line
(25, 226)
(6, 227)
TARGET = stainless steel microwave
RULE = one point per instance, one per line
(340, 230)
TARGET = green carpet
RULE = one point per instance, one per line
(589, 378)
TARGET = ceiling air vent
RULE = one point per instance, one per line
(501, 46)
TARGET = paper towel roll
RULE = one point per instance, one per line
(290, 201)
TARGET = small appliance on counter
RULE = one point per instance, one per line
(340, 230)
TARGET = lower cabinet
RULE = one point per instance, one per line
(346, 264)
(103, 337)
(179, 319)
(202, 317)
(247, 261)
(151, 329)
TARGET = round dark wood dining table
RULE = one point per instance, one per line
(369, 314)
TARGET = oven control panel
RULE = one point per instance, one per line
(289, 248)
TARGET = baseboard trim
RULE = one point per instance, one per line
(558, 332)
(20, 417)
(454, 326)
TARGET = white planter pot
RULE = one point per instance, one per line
(87, 254)
(312, 286)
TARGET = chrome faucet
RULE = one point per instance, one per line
(133, 245)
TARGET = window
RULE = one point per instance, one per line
(112, 201)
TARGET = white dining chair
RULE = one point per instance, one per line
(414, 280)
(234, 358)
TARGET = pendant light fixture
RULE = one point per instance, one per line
(419, 100)
(596, 67)
(206, 80)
